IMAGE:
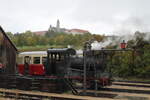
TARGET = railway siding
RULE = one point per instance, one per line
(129, 87)
(114, 92)
(17, 94)
(128, 83)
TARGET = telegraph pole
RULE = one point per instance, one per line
(87, 48)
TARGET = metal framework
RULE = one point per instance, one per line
(88, 54)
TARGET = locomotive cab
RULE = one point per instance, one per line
(58, 61)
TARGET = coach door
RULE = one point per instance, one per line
(27, 61)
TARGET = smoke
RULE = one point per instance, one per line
(147, 37)
(125, 30)
(116, 40)
(99, 45)
(130, 25)
(79, 52)
(109, 41)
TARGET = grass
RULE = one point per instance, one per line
(37, 48)
(134, 79)
(41, 47)
(138, 79)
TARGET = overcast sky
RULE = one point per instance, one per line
(96, 16)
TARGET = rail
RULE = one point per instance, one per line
(20, 94)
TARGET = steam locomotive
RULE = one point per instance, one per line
(56, 70)
(65, 64)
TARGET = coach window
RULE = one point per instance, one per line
(27, 59)
(36, 60)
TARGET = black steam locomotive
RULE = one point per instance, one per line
(61, 70)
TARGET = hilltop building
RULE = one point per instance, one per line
(57, 28)
(61, 30)
(77, 31)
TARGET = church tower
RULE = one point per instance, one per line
(58, 25)
(50, 28)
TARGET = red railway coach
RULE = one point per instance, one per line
(32, 62)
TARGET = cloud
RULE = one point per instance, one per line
(97, 16)
(132, 24)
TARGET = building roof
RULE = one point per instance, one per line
(3, 32)
(40, 32)
(79, 30)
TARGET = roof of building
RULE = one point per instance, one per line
(3, 32)
(40, 32)
(78, 30)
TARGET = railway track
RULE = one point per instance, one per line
(132, 84)
(35, 95)
(133, 90)
(118, 91)
(130, 87)
(143, 82)
(124, 90)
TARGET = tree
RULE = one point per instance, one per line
(10, 35)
